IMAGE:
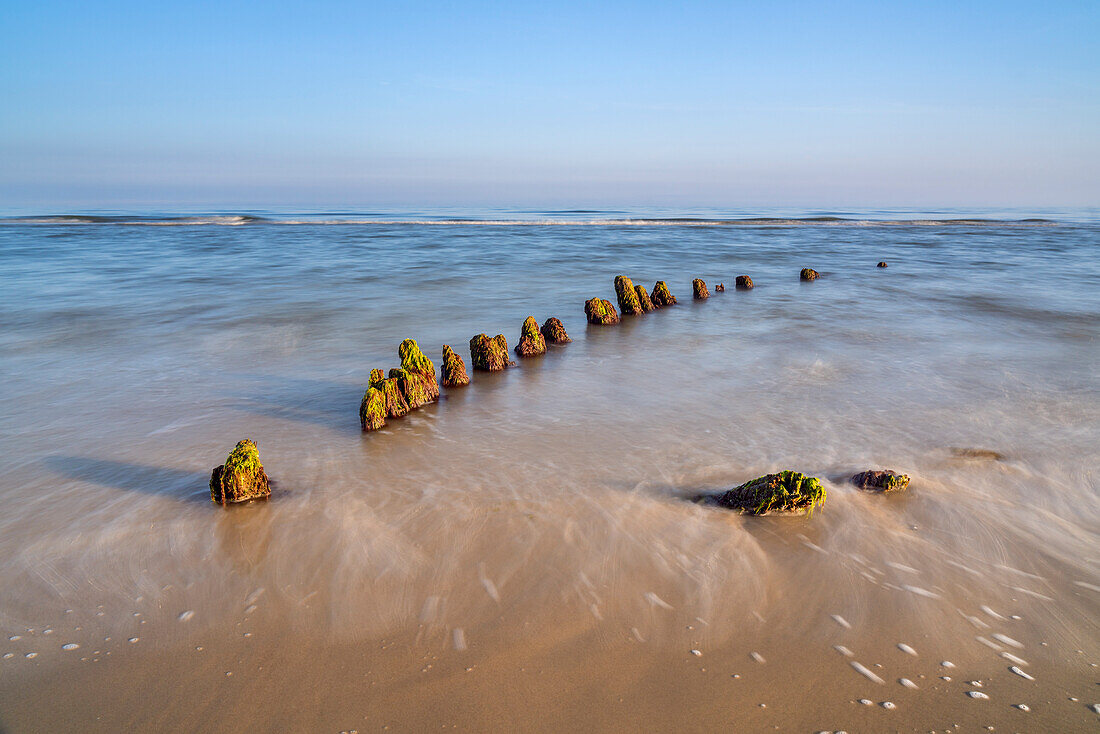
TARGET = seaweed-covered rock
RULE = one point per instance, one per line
(807, 274)
(883, 264)
(720, 288)
(453, 371)
(643, 298)
(699, 289)
(600, 311)
(661, 296)
(628, 298)
(415, 362)
(413, 387)
(396, 406)
(743, 282)
(880, 481)
(241, 478)
(787, 492)
(531, 341)
(980, 454)
(489, 354)
(372, 411)
(554, 331)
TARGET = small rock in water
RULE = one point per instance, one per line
(600, 311)
(866, 702)
(453, 370)
(699, 290)
(554, 331)
(889, 705)
(186, 616)
(628, 297)
(489, 354)
(907, 683)
(31, 655)
(661, 296)
(133, 639)
(808, 274)
(70, 646)
(977, 694)
(874, 480)
(644, 299)
(906, 649)
(697, 653)
(720, 288)
(1095, 708)
(241, 478)
(788, 493)
(531, 341)
(1020, 673)
(882, 264)
(743, 283)
(1022, 706)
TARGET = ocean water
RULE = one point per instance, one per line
(538, 519)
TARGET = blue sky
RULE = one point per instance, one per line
(567, 103)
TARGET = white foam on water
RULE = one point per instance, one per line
(844, 651)
(907, 683)
(977, 694)
(429, 609)
(974, 620)
(458, 638)
(1021, 673)
(1085, 585)
(595, 609)
(988, 643)
(1029, 592)
(902, 567)
(254, 596)
(867, 673)
(946, 664)
(250, 608)
(841, 621)
(758, 657)
(637, 635)
(490, 588)
(906, 649)
(921, 592)
(186, 616)
(1009, 656)
(1008, 640)
(990, 612)
(657, 601)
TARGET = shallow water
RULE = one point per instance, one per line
(533, 527)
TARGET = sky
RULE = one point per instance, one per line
(571, 103)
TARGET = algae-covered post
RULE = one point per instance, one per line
(420, 368)
(396, 406)
(808, 274)
(600, 311)
(886, 480)
(788, 493)
(720, 288)
(643, 298)
(453, 371)
(699, 289)
(661, 295)
(241, 478)
(531, 341)
(554, 331)
(489, 354)
(412, 387)
(883, 264)
(628, 298)
(372, 411)
(743, 282)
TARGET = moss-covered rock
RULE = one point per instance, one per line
(643, 298)
(413, 387)
(883, 264)
(661, 296)
(743, 282)
(531, 341)
(372, 411)
(699, 289)
(554, 331)
(489, 354)
(787, 492)
(396, 406)
(453, 371)
(628, 298)
(600, 311)
(720, 288)
(241, 478)
(874, 480)
(417, 363)
(808, 274)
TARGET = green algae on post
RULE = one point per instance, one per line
(808, 274)
(721, 288)
(554, 331)
(643, 298)
(787, 492)
(882, 264)
(453, 371)
(489, 354)
(628, 298)
(881, 481)
(372, 411)
(600, 311)
(241, 478)
(396, 406)
(699, 289)
(531, 341)
(416, 363)
(661, 295)
(743, 282)
(412, 386)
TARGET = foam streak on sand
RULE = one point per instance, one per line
(867, 673)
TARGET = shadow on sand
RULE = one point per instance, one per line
(183, 485)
